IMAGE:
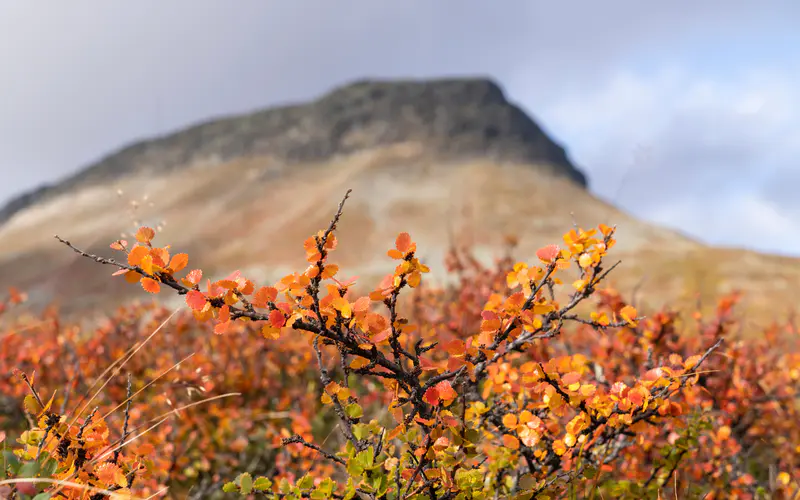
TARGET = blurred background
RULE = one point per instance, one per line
(680, 114)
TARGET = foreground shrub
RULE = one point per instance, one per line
(498, 387)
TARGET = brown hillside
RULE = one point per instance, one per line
(252, 212)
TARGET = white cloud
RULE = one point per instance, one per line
(721, 152)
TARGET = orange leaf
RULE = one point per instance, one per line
(145, 234)
(150, 285)
(395, 254)
(132, 276)
(110, 474)
(330, 271)
(510, 420)
(160, 256)
(331, 242)
(178, 262)
(137, 254)
(691, 361)
(264, 296)
(510, 442)
(358, 363)
(271, 333)
(362, 304)
(628, 313)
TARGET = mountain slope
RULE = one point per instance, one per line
(461, 118)
(252, 211)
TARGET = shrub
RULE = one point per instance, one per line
(497, 387)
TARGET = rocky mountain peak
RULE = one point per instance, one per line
(455, 118)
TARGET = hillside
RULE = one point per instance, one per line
(446, 160)
(454, 118)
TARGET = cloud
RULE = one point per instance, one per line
(719, 153)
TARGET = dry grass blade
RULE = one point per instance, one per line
(147, 385)
(124, 358)
(161, 419)
(121, 365)
(69, 484)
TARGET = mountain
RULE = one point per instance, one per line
(449, 161)
(456, 118)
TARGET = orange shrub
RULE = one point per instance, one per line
(495, 387)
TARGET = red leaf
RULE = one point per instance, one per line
(277, 319)
(548, 253)
(264, 295)
(194, 276)
(442, 391)
(432, 396)
(403, 243)
(224, 313)
(119, 245)
(446, 390)
(196, 300)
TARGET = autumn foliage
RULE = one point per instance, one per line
(526, 380)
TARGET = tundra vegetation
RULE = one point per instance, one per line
(519, 380)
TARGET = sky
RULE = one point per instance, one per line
(682, 113)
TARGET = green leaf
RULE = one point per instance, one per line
(360, 431)
(230, 487)
(49, 467)
(11, 461)
(42, 496)
(350, 491)
(262, 484)
(29, 469)
(246, 483)
(354, 410)
(324, 489)
(305, 482)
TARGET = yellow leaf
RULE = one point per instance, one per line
(343, 306)
(31, 405)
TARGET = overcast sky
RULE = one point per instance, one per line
(684, 113)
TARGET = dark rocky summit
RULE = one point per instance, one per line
(451, 118)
